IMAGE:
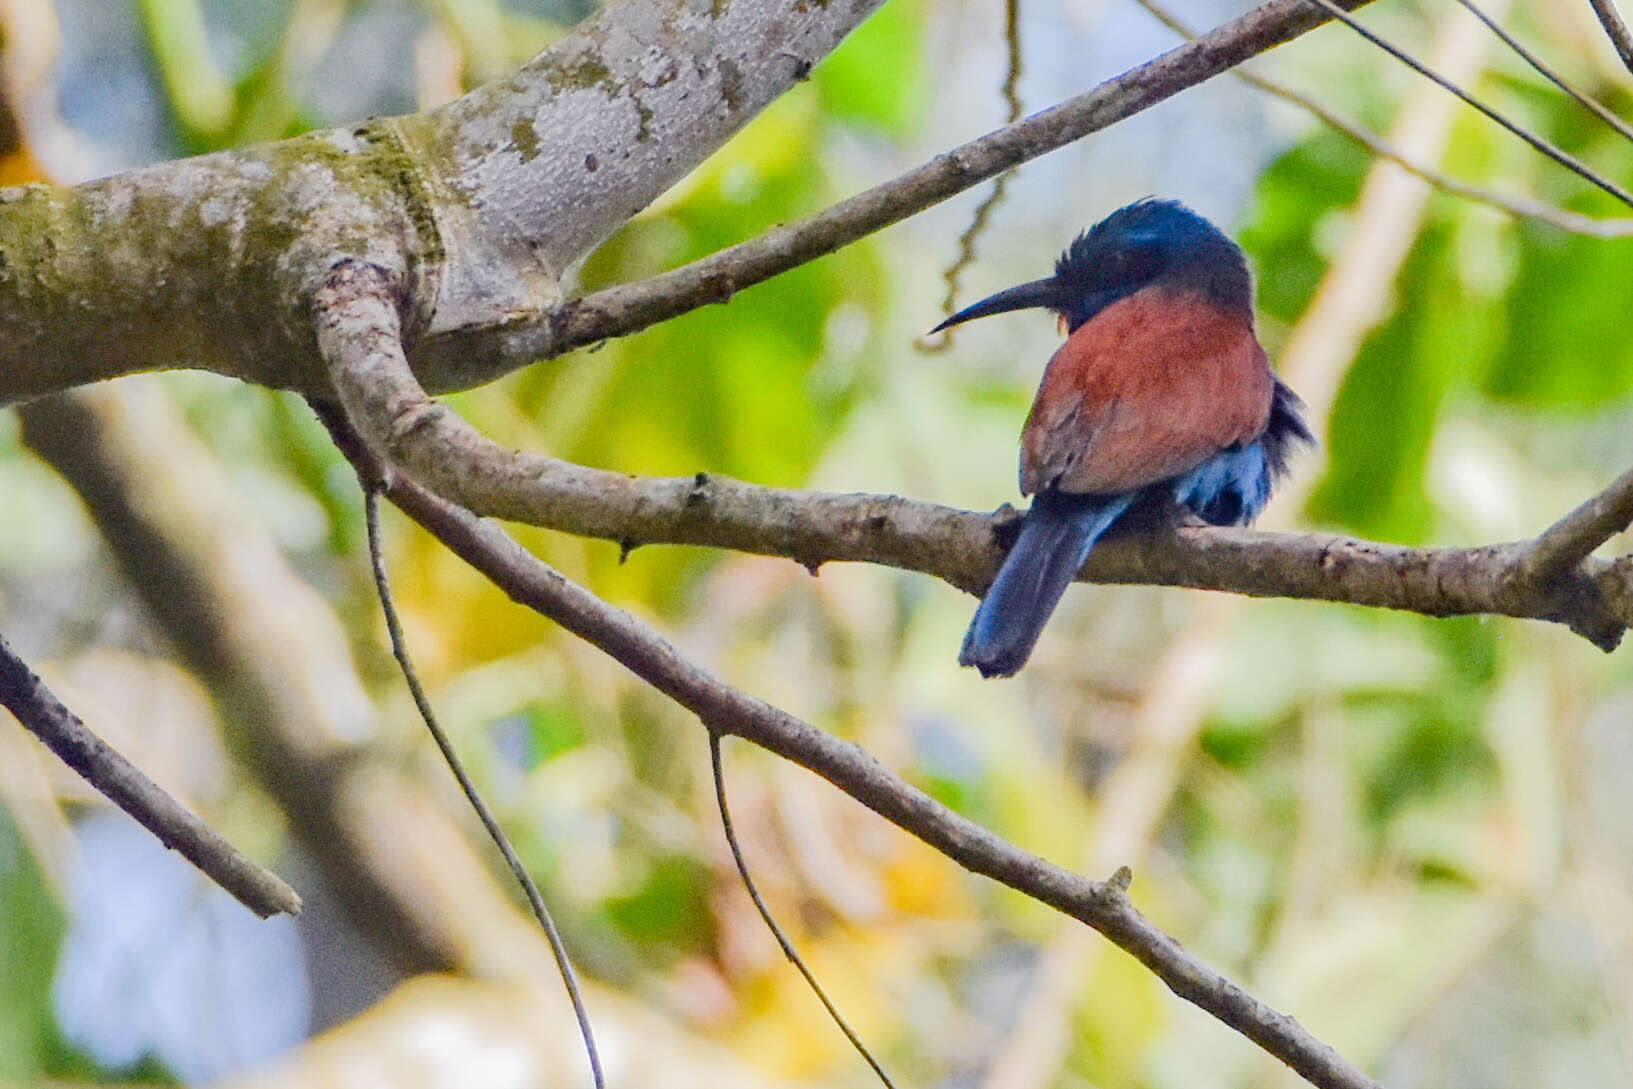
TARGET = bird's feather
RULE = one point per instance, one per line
(1161, 388)
(1056, 537)
(1147, 390)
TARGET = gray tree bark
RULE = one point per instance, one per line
(481, 206)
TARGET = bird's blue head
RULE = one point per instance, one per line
(1148, 242)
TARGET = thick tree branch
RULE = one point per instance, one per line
(123, 783)
(560, 154)
(630, 307)
(479, 206)
(358, 329)
(211, 262)
(202, 263)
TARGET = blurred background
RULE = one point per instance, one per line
(1413, 834)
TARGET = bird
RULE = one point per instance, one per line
(1161, 389)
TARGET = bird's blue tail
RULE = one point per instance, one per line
(1055, 539)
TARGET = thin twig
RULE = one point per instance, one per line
(1558, 155)
(268, 647)
(1547, 72)
(1012, 75)
(1615, 29)
(399, 650)
(723, 709)
(124, 784)
(1521, 207)
(1569, 541)
(626, 308)
(765, 913)
(358, 332)
(984, 210)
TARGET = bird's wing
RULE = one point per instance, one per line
(1149, 388)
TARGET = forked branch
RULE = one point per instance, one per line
(1103, 905)
(358, 330)
(627, 308)
(358, 333)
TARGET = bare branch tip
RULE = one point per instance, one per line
(38, 710)
(1615, 29)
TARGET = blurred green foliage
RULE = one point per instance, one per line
(33, 921)
(1315, 179)
(1349, 825)
(1384, 419)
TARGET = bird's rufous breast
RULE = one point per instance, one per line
(1147, 389)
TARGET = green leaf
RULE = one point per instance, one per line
(669, 909)
(199, 92)
(876, 78)
(1567, 319)
(1295, 194)
(553, 728)
(32, 928)
(1385, 415)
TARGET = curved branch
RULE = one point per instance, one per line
(481, 205)
(717, 768)
(995, 196)
(433, 445)
(494, 348)
(1102, 905)
(422, 703)
(1569, 541)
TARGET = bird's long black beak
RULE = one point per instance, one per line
(1045, 293)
